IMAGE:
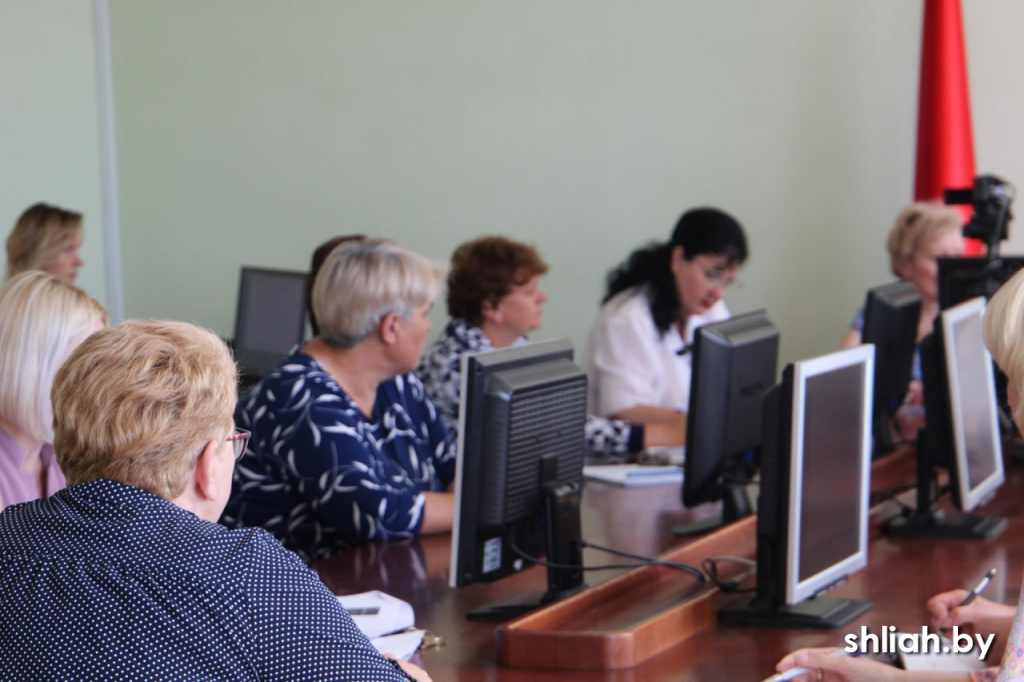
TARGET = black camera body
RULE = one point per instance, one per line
(990, 200)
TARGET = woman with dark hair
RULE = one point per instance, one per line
(495, 300)
(638, 360)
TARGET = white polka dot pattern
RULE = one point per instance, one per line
(104, 581)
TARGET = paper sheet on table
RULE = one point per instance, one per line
(377, 613)
(401, 645)
(947, 662)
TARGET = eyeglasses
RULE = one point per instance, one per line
(716, 277)
(239, 440)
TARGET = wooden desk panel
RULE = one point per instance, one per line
(900, 576)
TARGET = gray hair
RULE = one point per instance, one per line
(362, 281)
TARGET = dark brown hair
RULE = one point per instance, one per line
(485, 270)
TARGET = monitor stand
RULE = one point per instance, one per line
(927, 521)
(820, 612)
(564, 546)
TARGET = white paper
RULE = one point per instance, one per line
(401, 645)
(392, 614)
(937, 662)
(631, 475)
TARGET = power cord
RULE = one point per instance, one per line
(644, 561)
(731, 585)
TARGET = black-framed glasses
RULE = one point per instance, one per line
(239, 440)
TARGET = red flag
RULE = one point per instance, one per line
(945, 145)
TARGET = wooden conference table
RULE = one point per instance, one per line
(900, 576)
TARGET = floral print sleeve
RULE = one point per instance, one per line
(1012, 666)
(321, 476)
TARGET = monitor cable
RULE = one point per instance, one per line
(731, 585)
(644, 561)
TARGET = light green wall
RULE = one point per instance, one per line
(49, 144)
(251, 130)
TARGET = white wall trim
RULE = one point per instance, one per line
(108, 160)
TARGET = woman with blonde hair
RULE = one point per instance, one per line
(46, 238)
(922, 234)
(346, 445)
(42, 319)
(125, 574)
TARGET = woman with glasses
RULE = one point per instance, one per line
(638, 360)
(125, 574)
(346, 445)
(42, 319)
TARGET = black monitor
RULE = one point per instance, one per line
(961, 279)
(734, 364)
(519, 472)
(270, 320)
(962, 434)
(812, 512)
(891, 315)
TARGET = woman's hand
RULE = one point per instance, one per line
(946, 610)
(831, 665)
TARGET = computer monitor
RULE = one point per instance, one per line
(519, 471)
(270, 319)
(891, 315)
(961, 279)
(962, 433)
(812, 512)
(734, 364)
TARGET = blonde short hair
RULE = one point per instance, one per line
(41, 316)
(917, 225)
(362, 281)
(1004, 335)
(138, 402)
(38, 237)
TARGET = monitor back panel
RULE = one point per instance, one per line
(271, 318)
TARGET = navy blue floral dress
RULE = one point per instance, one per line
(321, 476)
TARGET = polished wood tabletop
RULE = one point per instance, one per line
(901, 575)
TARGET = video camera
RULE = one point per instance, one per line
(990, 199)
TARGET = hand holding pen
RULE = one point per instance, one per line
(945, 608)
(981, 586)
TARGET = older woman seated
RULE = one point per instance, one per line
(922, 234)
(347, 447)
(124, 575)
(495, 300)
(42, 319)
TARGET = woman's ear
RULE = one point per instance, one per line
(678, 256)
(206, 470)
(387, 328)
(490, 311)
(903, 268)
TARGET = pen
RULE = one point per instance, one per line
(798, 671)
(977, 590)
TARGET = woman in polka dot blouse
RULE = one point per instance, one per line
(124, 574)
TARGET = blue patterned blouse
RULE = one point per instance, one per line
(321, 476)
(104, 581)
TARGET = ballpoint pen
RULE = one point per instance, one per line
(981, 586)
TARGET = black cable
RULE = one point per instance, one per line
(731, 585)
(608, 567)
(649, 561)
